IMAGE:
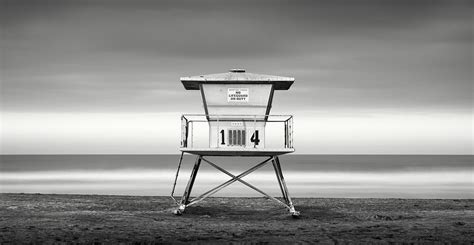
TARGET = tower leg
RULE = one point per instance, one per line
(284, 189)
(283, 193)
(189, 187)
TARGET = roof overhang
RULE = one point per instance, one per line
(237, 77)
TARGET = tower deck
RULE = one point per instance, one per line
(237, 151)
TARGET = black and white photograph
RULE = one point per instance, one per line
(236, 122)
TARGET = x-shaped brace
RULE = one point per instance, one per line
(232, 180)
(276, 164)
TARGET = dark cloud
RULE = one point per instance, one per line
(128, 55)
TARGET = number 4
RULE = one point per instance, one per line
(254, 138)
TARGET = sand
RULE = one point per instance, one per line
(27, 218)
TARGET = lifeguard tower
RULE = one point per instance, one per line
(237, 111)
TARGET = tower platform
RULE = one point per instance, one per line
(237, 152)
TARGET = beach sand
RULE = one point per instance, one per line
(44, 218)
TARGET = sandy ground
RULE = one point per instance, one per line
(26, 218)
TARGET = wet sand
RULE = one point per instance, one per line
(38, 218)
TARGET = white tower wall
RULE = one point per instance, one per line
(245, 100)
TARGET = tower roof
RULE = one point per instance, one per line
(237, 76)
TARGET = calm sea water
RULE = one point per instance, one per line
(386, 176)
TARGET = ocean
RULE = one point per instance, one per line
(353, 176)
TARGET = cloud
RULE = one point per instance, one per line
(128, 55)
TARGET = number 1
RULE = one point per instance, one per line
(222, 138)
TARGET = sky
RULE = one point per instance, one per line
(371, 77)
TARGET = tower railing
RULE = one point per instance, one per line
(195, 132)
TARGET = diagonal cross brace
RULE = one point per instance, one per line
(235, 178)
(245, 183)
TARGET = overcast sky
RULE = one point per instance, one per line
(103, 76)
